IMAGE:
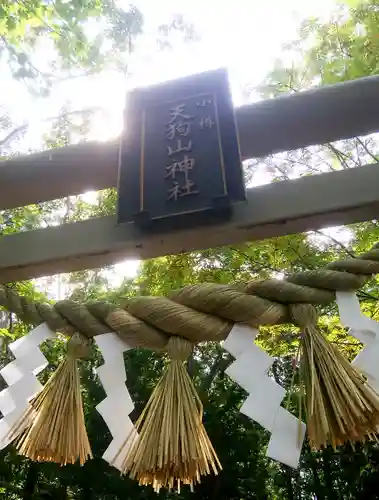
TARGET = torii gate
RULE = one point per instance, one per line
(169, 443)
(312, 117)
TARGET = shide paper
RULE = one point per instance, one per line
(20, 375)
(366, 330)
(117, 406)
(249, 371)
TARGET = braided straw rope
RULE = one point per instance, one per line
(198, 312)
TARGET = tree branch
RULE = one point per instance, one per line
(23, 128)
(364, 146)
(340, 155)
(12, 134)
(220, 365)
(336, 242)
(253, 263)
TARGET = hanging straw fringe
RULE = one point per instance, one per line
(53, 427)
(173, 447)
(340, 406)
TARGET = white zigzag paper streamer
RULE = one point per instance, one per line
(249, 370)
(20, 375)
(117, 406)
(366, 330)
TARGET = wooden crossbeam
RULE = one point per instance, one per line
(286, 123)
(272, 210)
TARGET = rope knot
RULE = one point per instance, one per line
(78, 346)
(179, 348)
(303, 315)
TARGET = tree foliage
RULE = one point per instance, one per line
(84, 34)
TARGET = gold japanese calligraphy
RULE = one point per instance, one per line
(178, 129)
(206, 122)
(180, 146)
(203, 102)
(178, 132)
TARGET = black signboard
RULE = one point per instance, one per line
(179, 152)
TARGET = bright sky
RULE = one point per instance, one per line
(246, 36)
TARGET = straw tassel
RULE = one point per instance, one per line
(173, 447)
(53, 427)
(340, 406)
